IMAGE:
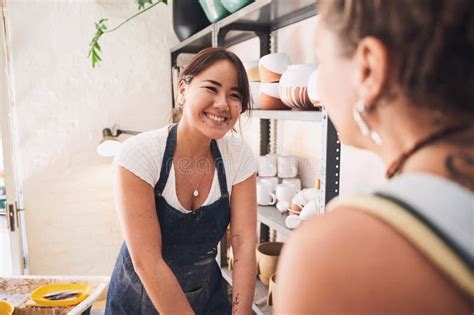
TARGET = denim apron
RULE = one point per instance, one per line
(189, 247)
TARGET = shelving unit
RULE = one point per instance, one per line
(260, 19)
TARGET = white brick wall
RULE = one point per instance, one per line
(62, 105)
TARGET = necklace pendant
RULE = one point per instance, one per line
(195, 193)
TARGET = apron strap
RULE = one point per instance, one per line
(220, 168)
(167, 161)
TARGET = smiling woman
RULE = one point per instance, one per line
(177, 189)
(223, 61)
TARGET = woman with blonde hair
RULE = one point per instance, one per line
(397, 78)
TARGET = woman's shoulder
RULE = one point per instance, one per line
(150, 142)
(234, 145)
(331, 255)
(142, 154)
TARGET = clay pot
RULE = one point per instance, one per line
(267, 260)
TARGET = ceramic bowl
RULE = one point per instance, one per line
(254, 93)
(235, 5)
(269, 97)
(272, 66)
(313, 92)
(213, 9)
(251, 67)
(294, 86)
(6, 308)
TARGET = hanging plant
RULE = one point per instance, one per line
(101, 29)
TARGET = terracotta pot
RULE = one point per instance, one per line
(294, 86)
(269, 97)
(267, 260)
(272, 66)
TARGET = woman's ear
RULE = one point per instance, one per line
(181, 92)
(372, 74)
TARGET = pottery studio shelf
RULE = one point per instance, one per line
(196, 42)
(315, 116)
(259, 305)
(263, 15)
(259, 16)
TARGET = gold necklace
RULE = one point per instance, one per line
(195, 192)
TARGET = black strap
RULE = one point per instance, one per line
(220, 168)
(462, 254)
(167, 161)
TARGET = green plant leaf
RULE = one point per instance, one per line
(101, 29)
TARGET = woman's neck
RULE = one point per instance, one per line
(404, 125)
(190, 142)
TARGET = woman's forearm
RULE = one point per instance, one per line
(243, 277)
(163, 288)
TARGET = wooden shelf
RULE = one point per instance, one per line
(259, 305)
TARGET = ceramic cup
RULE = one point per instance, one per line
(285, 192)
(251, 67)
(292, 221)
(283, 206)
(254, 93)
(273, 181)
(272, 66)
(271, 290)
(299, 199)
(311, 194)
(267, 260)
(294, 86)
(265, 196)
(267, 166)
(269, 97)
(293, 181)
(313, 92)
(287, 167)
(309, 210)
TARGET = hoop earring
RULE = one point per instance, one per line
(357, 111)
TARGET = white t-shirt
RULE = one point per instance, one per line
(143, 154)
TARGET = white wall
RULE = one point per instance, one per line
(62, 105)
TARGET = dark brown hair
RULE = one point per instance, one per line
(205, 59)
(431, 43)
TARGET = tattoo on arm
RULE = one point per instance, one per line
(235, 303)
